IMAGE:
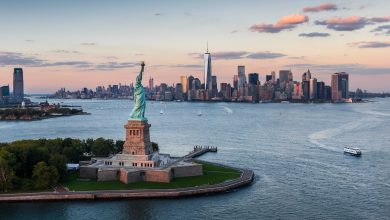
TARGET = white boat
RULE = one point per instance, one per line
(200, 113)
(161, 112)
(352, 151)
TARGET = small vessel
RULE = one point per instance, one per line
(200, 113)
(161, 112)
(353, 151)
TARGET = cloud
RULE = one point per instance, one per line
(285, 23)
(158, 14)
(370, 44)
(265, 55)
(384, 29)
(323, 7)
(380, 19)
(350, 23)
(353, 68)
(297, 58)
(191, 66)
(30, 41)
(234, 31)
(88, 44)
(77, 64)
(66, 51)
(19, 59)
(344, 24)
(314, 34)
(16, 59)
(234, 55)
(229, 55)
(114, 65)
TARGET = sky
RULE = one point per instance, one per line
(76, 44)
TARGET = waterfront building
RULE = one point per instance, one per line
(4, 91)
(284, 76)
(253, 78)
(151, 84)
(321, 93)
(273, 74)
(241, 76)
(306, 76)
(306, 90)
(340, 86)
(235, 82)
(190, 79)
(18, 86)
(179, 91)
(313, 88)
(196, 84)
(328, 92)
(297, 91)
(214, 87)
(207, 70)
(183, 81)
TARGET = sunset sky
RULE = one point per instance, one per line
(75, 44)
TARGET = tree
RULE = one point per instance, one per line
(6, 174)
(44, 176)
(102, 147)
(155, 147)
(59, 162)
(119, 146)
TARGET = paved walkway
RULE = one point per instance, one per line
(246, 178)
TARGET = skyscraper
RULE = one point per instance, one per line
(235, 82)
(273, 76)
(340, 86)
(190, 79)
(214, 88)
(183, 80)
(18, 85)
(207, 70)
(241, 76)
(284, 76)
(151, 84)
(313, 88)
(253, 78)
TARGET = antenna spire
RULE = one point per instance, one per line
(207, 46)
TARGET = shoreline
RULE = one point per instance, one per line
(246, 178)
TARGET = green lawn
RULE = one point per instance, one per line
(212, 174)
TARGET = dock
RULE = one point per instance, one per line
(200, 150)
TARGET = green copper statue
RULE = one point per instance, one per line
(138, 112)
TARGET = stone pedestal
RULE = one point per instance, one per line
(137, 138)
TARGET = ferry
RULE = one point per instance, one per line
(353, 151)
(200, 113)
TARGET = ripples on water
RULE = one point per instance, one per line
(294, 149)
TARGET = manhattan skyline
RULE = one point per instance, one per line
(74, 45)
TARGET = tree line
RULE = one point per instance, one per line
(41, 164)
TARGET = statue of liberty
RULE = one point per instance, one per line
(138, 112)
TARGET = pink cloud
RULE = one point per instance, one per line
(285, 23)
(345, 24)
(323, 7)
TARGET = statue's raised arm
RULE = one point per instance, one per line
(139, 77)
(138, 112)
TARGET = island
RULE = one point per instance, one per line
(68, 169)
(39, 112)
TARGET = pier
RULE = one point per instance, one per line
(200, 150)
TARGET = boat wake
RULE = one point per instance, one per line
(375, 113)
(318, 138)
(228, 110)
